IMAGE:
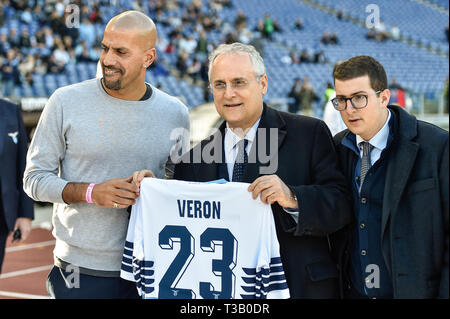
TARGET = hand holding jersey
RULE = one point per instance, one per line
(116, 193)
(271, 188)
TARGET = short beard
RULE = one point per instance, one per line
(112, 85)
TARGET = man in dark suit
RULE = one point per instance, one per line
(16, 208)
(299, 178)
(397, 166)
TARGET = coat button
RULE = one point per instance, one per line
(362, 226)
(363, 252)
(363, 200)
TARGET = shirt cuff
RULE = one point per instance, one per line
(293, 212)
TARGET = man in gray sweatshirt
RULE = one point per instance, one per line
(91, 137)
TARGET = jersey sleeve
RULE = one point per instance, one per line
(126, 271)
(271, 277)
(137, 260)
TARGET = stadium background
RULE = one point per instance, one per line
(46, 44)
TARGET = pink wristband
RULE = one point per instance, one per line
(89, 193)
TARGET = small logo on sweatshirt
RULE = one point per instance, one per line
(13, 136)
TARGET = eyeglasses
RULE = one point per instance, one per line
(237, 84)
(358, 101)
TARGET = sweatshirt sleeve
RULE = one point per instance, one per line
(41, 179)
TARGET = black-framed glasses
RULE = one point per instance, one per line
(358, 101)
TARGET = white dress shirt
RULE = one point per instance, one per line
(230, 141)
(378, 142)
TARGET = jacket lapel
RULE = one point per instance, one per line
(400, 164)
(271, 129)
(3, 134)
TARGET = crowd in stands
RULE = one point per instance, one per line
(47, 40)
(57, 43)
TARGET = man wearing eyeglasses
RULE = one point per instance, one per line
(307, 191)
(397, 166)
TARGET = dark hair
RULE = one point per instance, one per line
(361, 66)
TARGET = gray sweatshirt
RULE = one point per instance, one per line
(85, 135)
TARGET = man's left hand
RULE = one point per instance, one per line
(272, 189)
(24, 224)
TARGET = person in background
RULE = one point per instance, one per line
(16, 208)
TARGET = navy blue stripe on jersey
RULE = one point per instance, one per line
(143, 272)
(260, 283)
(275, 260)
(129, 245)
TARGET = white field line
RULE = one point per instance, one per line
(25, 271)
(21, 295)
(30, 246)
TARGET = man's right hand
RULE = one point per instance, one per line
(120, 191)
(114, 193)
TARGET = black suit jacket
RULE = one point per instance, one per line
(307, 163)
(13, 152)
(414, 233)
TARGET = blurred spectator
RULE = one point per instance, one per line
(240, 19)
(381, 33)
(62, 57)
(202, 45)
(268, 26)
(138, 5)
(397, 93)
(305, 57)
(332, 117)
(298, 24)
(294, 94)
(193, 70)
(159, 68)
(328, 38)
(2, 16)
(13, 38)
(49, 38)
(26, 66)
(25, 40)
(277, 27)
(307, 97)
(26, 16)
(54, 66)
(87, 32)
(329, 92)
(181, 64)
(371, 35)
(395, 33)
(4, 45)
(244, 35)
(334, 38)
(187, 45)
(10, 74)
(325, 39)
(258, 43)
(319, 57)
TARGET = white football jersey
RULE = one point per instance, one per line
(202, 240)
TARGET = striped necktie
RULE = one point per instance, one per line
(241, 160)
(365, 162)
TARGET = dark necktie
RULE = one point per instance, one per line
(365, 162)
(241, 160)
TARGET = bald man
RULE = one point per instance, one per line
(90, 138)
